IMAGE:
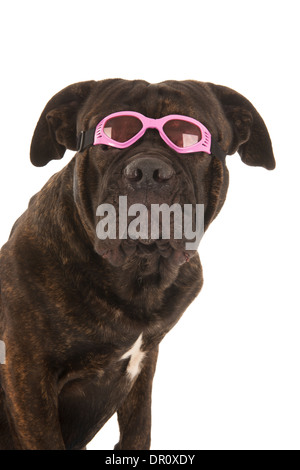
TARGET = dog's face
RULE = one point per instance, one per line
(149, 172)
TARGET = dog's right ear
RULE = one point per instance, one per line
(250, 135)
(56, 129)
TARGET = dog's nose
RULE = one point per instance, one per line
(148, 171)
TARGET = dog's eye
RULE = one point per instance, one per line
(183, 134)
(122, 128)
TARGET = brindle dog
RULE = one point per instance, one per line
(82, 318)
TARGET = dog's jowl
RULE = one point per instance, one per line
(82, 315)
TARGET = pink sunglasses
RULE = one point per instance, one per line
(181, 133)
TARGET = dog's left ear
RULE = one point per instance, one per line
(56, 129)
(250, 135)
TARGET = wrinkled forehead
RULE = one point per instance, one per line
(189, 98)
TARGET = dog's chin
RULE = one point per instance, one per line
(121, 251)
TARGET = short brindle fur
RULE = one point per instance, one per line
(72, 306)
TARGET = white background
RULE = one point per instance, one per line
(228, 374)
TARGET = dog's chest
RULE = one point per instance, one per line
(118, 371)
(135, 355)
(98, 391)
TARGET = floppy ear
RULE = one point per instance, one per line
(250, 135)
(56, 129)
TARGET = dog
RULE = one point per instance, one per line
(81, 316)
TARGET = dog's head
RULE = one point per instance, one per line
(149, 172)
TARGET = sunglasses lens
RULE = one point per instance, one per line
(182, 133)
(122, 128)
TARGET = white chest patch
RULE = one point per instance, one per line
(136, 357)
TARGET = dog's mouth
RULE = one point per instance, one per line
(147, 247)
(168, 250)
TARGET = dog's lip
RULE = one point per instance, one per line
(142, 247)
(162, 248)
(160, 244)
(148, 241)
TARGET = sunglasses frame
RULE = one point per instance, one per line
(148, 123)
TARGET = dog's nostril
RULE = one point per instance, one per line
(163, 174)
(156, 176)
(134, 175)
(159, 176)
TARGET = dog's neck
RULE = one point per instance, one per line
(143, 281)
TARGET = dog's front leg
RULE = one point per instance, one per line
(32, 405)
(134, 415)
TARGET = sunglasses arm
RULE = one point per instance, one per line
(217, 151)
(85, 139)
